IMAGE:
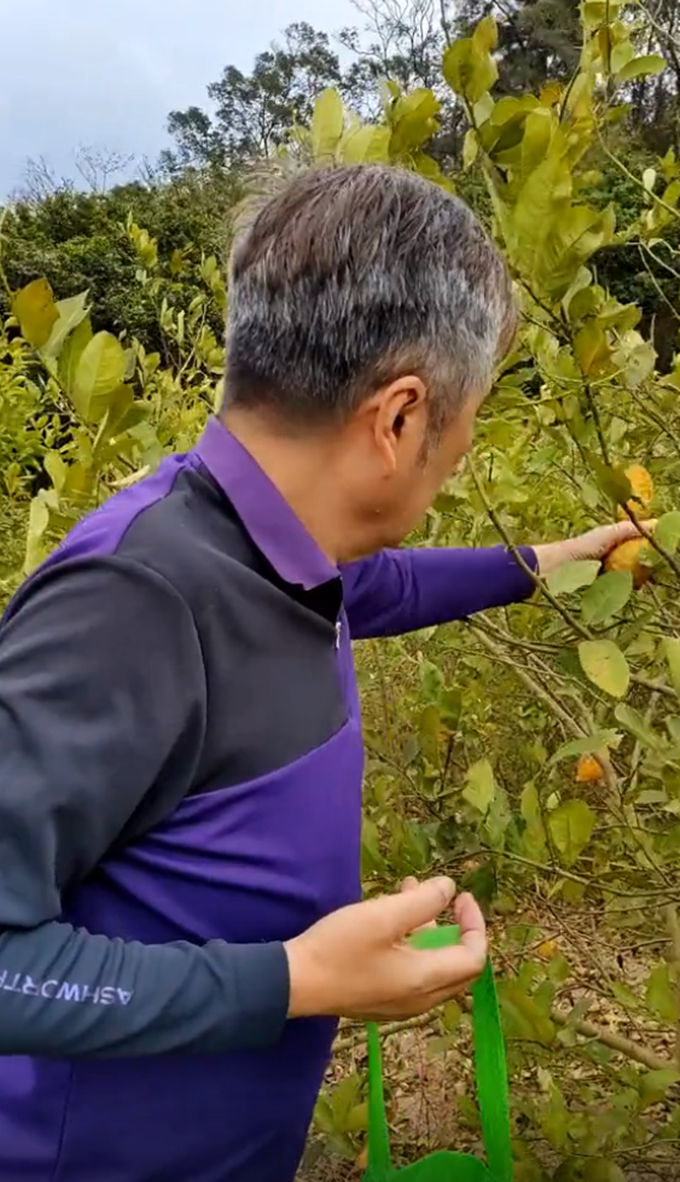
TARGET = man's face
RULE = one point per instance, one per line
(395, 473)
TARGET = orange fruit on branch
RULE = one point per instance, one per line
(588, 770)
(631, 556)
(642, 487)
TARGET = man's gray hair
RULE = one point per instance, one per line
(350, 277)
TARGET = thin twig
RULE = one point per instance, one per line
(645, 1056)
(674, 932)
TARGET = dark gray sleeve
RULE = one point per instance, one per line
(102, 695)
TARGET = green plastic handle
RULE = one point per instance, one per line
(490, 1071)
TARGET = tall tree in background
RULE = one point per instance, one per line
(253, 112)
(538, 39)
(403, 41)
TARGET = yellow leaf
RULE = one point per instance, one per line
(536, 139)
(36, 311)
(591, 348)
(642, 67)
(470, 148)
(576, 234)
(328, 123)
(485, 36)
(469, 68)
(100, 371)
(543, 197)
(366, 145)
(38, 521)
(605, 665)
(551, 94)
(413, 120)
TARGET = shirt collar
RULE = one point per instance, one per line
(271, 523)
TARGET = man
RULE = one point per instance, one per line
(180, 745)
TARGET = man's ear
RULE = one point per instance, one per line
(399, 418)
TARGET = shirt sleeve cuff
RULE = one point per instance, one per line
(257, 994)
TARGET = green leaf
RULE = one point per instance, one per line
(661, 994)
(571, 826)
(524, 1016)
(56, 469)
(607, 596)
(641, 67)
(72, 313)
(667, 532)
(599, 741)
(654, 1086)
(99, 372)
(498, 819)
(328, 124)
(671, 647)
(372, 861)
(605, 665)
(113, 407)
(38, 521)
(530, 805)
(613, 481)
(36, 311)
(571, 576)
(481, 786)
(357, 1118)
(468, 65)
(69, 357)
(633, 721)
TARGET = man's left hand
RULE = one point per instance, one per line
(595, 544)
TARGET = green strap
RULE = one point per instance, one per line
(490, 1072)
(379, 1157)
(491, 1075)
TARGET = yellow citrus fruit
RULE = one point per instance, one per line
(631, 556)
(548, 949)
(642, 486)
(588, 770)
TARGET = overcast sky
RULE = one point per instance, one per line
(107, 72)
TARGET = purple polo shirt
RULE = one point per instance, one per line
(181, 793)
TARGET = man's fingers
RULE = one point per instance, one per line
(411, 884)
(414, 907)
(605, 538)
(444, 971)
(472, 927)
(455, 967)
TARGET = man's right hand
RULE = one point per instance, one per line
(357, 962)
